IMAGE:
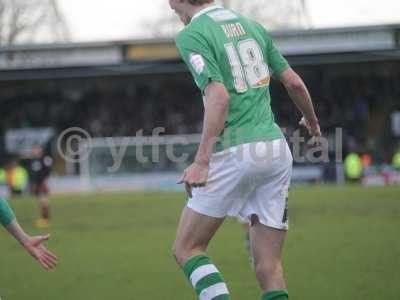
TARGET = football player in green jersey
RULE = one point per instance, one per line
(243, 165)
(32, 244)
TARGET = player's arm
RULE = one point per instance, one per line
(215, 112)
(33, 245)
(300, 95)
(295, 86)
(199, 57)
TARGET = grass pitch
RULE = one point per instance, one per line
(343, 244)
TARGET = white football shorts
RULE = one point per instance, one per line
(246, 180)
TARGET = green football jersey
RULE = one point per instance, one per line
(221, 45)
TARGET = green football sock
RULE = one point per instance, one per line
(276, 295)
(206, 279)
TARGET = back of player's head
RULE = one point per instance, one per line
(200, 2)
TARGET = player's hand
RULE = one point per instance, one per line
(34, 246)
(195, 176)
(313, 129)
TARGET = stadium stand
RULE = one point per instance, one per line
(118, 88)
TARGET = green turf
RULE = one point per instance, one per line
(343, 244)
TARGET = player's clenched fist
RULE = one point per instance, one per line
(195, 176)
(313, 129)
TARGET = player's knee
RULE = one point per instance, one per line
(182, 252)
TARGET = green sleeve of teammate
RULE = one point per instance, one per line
(6, 213)
(199, 58)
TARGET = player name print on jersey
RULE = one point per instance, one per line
(234, 30)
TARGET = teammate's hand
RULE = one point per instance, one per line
(34, 246)
(195, 176)
(313, 129)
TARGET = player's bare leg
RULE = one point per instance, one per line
(267, 247)
(194, 234)
(44, 206)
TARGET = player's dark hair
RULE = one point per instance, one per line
(200, 2)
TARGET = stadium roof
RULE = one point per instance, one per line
(278, 35)
(302, 47)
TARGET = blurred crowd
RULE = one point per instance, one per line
(121, 106)
(349, 102)
(360, 104)
(107, 107)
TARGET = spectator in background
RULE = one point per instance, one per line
(39, 169)
(366, 159)
(353, 167)
(396, 160)
(17, 177)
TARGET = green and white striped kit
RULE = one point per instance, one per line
(206, 279)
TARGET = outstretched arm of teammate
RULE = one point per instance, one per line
(33, 245)
(215, 111)
(298, 92)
